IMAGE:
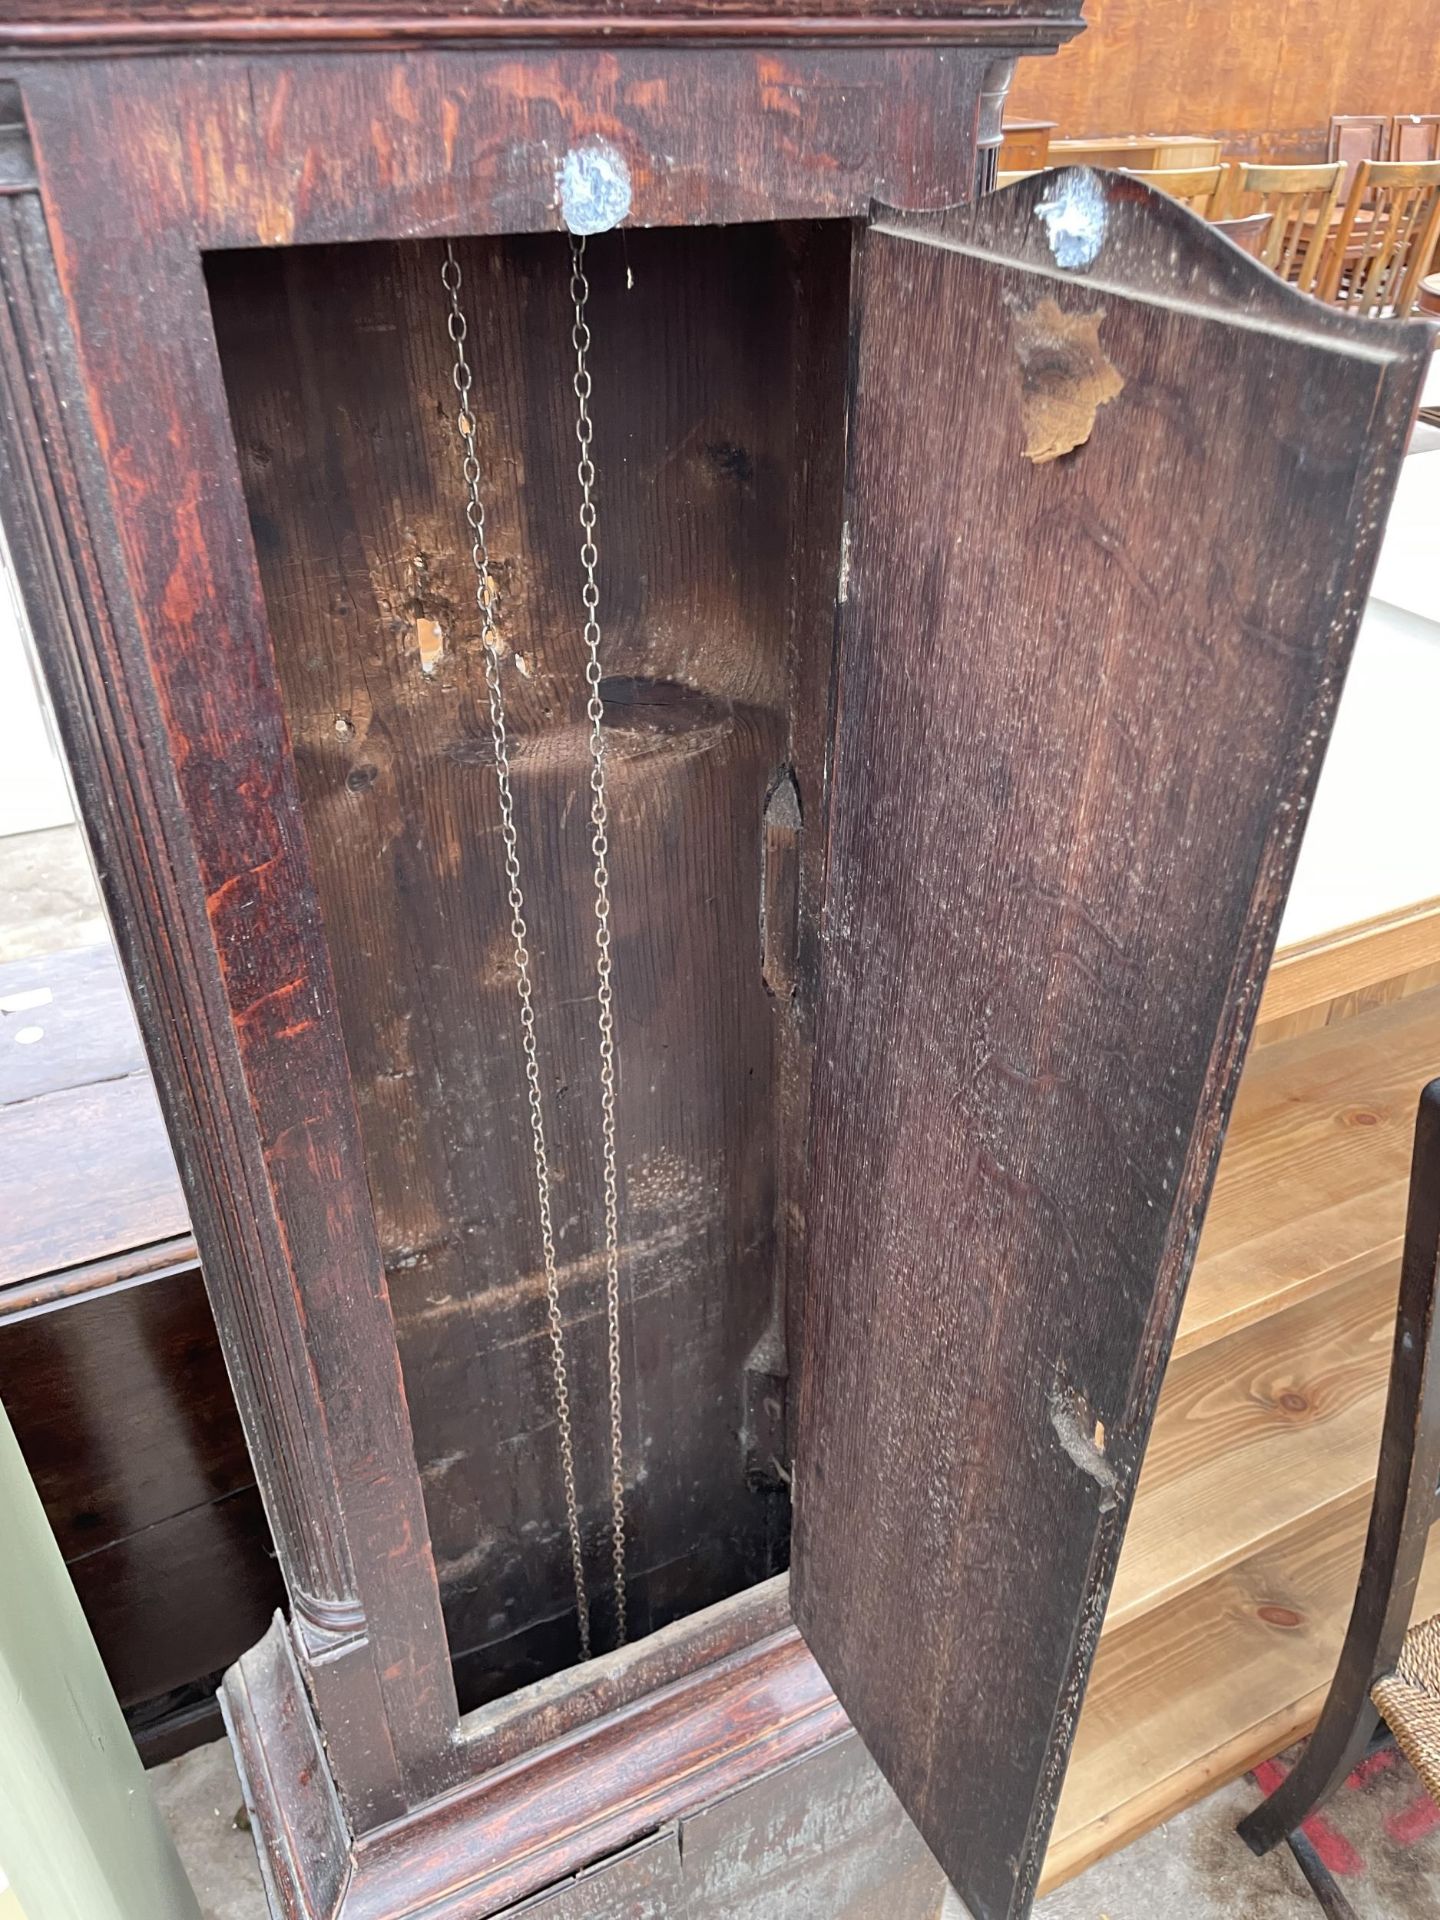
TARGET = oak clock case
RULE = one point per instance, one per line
(953, 778)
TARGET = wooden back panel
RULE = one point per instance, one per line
(1413, 136)
(1355, 137)
(1247, 230)
(717, 363)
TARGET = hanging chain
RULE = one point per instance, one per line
(485, 603)
(600, 846)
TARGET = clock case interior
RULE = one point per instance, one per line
(719, 362)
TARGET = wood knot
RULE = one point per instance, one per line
(1285, 1617)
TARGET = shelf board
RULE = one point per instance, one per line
(1312, 1183)
(1239, 1566)
(1254, 1433)
(1193, 1693)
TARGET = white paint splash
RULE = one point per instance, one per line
(594, 184)
(1075, 215)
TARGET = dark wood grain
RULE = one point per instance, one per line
(110, 1370)
(748, 1701)
(153, 1262)
(88, 25)
(253, 1078)
(212, 884)
(350, 463)
(1072, 757)
(504, 1731)
(723, 1728)
(290, 1795)
(576, 1801)
(158, 1635)
(61, 529)
(123, 1411)
(265, 153)
(1051, 799)
(120, 1403)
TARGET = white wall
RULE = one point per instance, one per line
(33, 792)
(1373, 842)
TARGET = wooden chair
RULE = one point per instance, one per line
(1359, 136)
(1301, 205)
(1248, 230)
(1387, 1666)
(1382, 248)
(1194, 187)
(1413, 136)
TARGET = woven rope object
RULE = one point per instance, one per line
(1409, 1698)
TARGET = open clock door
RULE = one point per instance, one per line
(1115, 494)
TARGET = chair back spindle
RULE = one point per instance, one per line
(1301, 204)
(1382, 248)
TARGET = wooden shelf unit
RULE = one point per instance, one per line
(1239, 1567)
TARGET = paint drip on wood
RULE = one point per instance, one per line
(1065, 377)
(1075, 215)
(594, 188)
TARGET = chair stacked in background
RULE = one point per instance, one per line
(1386, 239)
(1300, 203)
(1361, 229)
(1196, 187)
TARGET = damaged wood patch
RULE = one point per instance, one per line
(430, 638)
(1065, 377)
(1082, 1437)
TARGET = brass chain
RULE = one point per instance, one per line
(485, 604)
(600, 846)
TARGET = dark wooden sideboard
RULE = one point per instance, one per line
(110, 1370)
(966, 672)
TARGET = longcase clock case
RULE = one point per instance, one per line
(978, 577)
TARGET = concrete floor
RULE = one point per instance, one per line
(1381, 1837)
(199, 1796)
